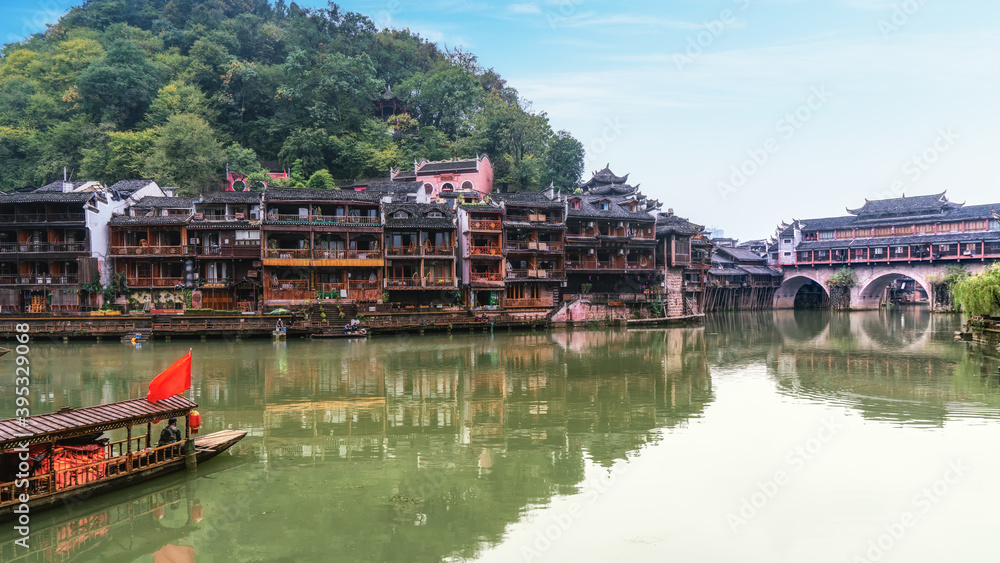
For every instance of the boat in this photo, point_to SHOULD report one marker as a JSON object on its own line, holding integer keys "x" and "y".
{"x": 68, "y": 461}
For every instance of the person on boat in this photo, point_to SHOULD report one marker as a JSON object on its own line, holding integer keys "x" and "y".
{"x": 170, "y": 433}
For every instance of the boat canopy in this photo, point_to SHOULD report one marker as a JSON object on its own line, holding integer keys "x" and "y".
{"x": 69, "y": 422}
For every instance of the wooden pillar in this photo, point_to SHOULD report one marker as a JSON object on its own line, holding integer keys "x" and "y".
{"x": 149, "y": 432}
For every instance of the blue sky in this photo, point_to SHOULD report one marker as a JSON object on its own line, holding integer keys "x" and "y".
{"x": 741, "y": 113}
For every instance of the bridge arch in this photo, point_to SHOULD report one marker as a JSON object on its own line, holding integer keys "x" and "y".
{"x": 870, "y": 292}
{"x": 785, "y": 297}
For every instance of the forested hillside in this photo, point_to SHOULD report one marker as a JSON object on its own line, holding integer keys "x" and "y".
{"x": 176, "y": 90}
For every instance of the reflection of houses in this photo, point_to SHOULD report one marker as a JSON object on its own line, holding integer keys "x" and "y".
{"x": 420, "y": 253}
{"x": 611, "y": 237}
{"x": 53, "y": 241}
{"x": 481, "y": 252}
{"x": 150, "y": 245}
{"x": 534, "y": 229}
{"x": 324, "y": 244}
{"x": 740, "y": 279}
{"x": 684, "y": 254}
{"x": 225, "y": 232}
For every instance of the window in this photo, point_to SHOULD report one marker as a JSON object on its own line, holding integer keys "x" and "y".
{"x": 605, "y": 206}
{"x": 787, "y": 241}
{"x": 787, "y": 253}
{"x": 878, "y": 251}
{"x": 826, "y": 235}
{"x": 428, "y": 189}
{"x": 467, "y": 186}
{"x": 574, "y": 203}
{"x": 447, "y": 187}
{"x": 247, "y": 235}
{"x": 400, "y": 215}
{"x": 435, "y": 215}
{"x": 944, "y": 247}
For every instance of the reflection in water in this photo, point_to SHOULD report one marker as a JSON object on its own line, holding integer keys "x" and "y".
{"x": 405, "y": 449}
{"x": 418, "y": 449}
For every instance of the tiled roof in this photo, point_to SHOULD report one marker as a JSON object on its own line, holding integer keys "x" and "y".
{"x": 234, "y": 224}
{"x": 47, "y": 197}
{"x": 528, "y": 199}
{"x": 670, "y": 223}
{"x": 248, "y": 198}
{"x": 761, "y": 271}
{"x": 310, "y": 195}
{"x": 418, "y": 218}
{"x": 160, "y": 202}
{"x": 741, "y": 255}
{"x": 57, "y": 186}
{"x": 605, "y": 176}
{"x": 129, "y": 186}
{"x": 726, "y": 272}
{"x": 393, "y": 186}
{"x": 447, "y": 166}
{"x": 590, "y": 208}
{"x": 921, "y": 204}
{"x": 155, "y": 220}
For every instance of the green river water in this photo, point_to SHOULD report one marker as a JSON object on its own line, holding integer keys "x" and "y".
{"x": 771, "y": 437}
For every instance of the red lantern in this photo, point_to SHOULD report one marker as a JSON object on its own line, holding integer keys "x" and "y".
{"x": 194, "y": 421}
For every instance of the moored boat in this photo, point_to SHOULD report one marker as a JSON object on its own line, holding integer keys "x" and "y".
{"x": 49, "y": 459}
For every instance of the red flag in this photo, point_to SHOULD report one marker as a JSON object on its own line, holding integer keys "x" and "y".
{"x": 174, "y": 380}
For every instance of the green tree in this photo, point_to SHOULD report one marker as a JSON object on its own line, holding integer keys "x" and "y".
{"x": 320, "y": 180}
{"x": 242, "y": 161}
{"x": 119, "y": 87}
{"x": 122, "y": 156}
{"x": 179, "y": 97}
{"x": 187, "y": 154}
{"x": 563, "y": 162}
{"x": 446, "y": 99}
{"x": 979, "y": 295}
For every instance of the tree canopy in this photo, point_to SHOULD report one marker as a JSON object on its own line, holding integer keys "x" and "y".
{"x": 117, "y": 89}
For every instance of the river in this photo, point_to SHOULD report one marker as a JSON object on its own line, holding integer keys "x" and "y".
{"x": 775, "y": 436}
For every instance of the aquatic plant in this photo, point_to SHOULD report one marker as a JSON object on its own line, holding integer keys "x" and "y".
{"x": 979, "y": 295}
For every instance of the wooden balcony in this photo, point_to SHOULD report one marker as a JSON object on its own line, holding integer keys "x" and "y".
{"x": 492, "y": 250}
{"x": 43, "y": 247}
{"x": 486, "y": 277}
{"x": 153, "y": 282}
{"x": 527, "y": 303}
{"x": 534, "y": 274}
{"x": 533, "y": 246}
{"x": 229, "y": 250}
{"x": 288, "y": 253}
{"x": 418, "y": 282}
{"x": 486, "y": 225}
{"x": 39, "y": 279}
{"x": 346, "y": 220}
{"x": 150, "y": 250}
{"x": 550, "y": 219}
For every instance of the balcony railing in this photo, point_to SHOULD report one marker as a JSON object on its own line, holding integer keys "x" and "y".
{"x": 181, "y": 250}
{"x": 323, "y": 219}
{"x": 492, "y": 250}
{"x": 486, "y": 276}
{"x": 596, "y": 265}
{"x": 39, "y": 279}
{"x": 534, "y": 273}
{"x": 515, "y": 303}
{"x": 417, "y": 281}
{"x": 320, "y": 254}
{"x": 66, "y": 217}
{"x": 230, "y": 251}
{"x": 153, "y": 282}
{"x": 412, "y": 250}
{"x": 37, "y": 247}
{"x": 486, "y": 225}
{"x": 533, "y": 218}
{"x": 288, "y": 254}
{"x": 531, "y": 245}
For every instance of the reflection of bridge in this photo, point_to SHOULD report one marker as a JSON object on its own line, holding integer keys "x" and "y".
{"x": 872, "y": 281}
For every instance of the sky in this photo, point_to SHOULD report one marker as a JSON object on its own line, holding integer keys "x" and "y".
{"x": 738, "y": 114}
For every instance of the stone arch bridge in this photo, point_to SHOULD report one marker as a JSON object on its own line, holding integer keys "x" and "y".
{"x": 872, "y": 280}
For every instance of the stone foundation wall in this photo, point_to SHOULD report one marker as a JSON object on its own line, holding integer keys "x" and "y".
{"x": 674, "y": 285}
